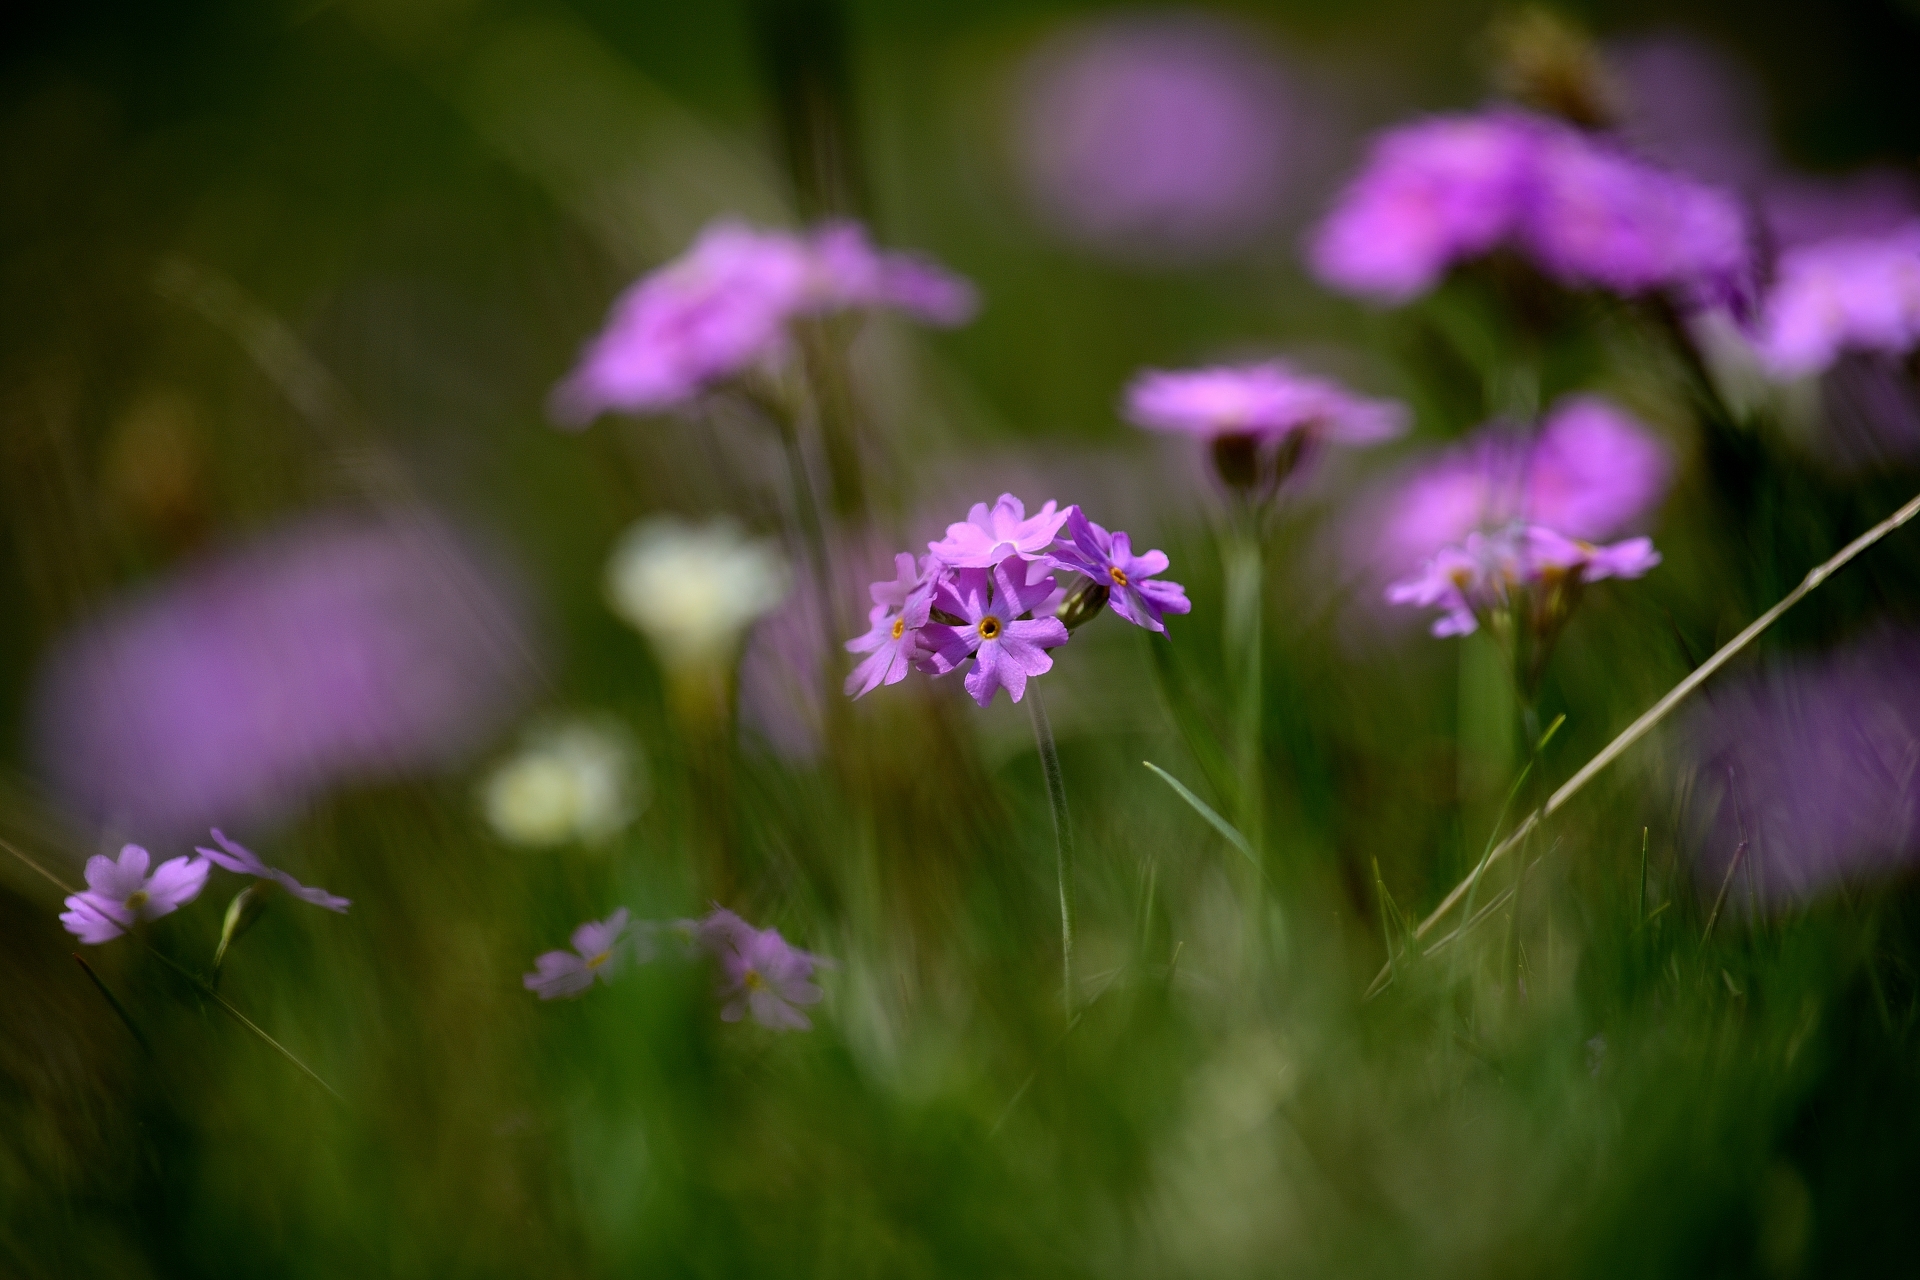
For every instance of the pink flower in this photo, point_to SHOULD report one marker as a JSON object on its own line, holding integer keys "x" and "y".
{"x": 236, "y": 857}
{"x": 1269, "y": 401}
{"x": 892, "y": 642}
{"x": 846, "y": 271}
{"x": 1108, "y": 561}
{"x": 597, "y": 952}
{"x": 1005, "y": 649}
{"x": 988, "y": 536}
{"x": 120, "y": 894}
{"x": 1521, "y": 565}
{"x": 1852, "y": 293}
{"x": 760, "y": 972}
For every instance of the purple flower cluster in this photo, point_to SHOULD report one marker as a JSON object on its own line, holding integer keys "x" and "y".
{"x": 723, "y": 309}
{"x": 1446, "y": 189}
{"x": 122, "y": 893}
{"x": 983, "y": 593}
{"x": 1260, "y": 419}
{"x": 760, "y": 973}
{"x": 1521, "y": 565}
{"x": 1849, "y": 293}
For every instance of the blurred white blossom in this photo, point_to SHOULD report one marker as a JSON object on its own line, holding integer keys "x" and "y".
{"x": 573, "y": 780}
{"x": 693, "y": 590}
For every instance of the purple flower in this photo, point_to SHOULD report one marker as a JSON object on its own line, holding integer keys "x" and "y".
{"x": 1590, "y": 472}
{"x": 1430, "y": 194}
{"x": 597, "y": 952}
{"x": 1005, "y": 649}
{"x": 988, "y": 536}
{"x": 1446, "y": 189}
{"x": 236, "y": 857}
{"x": 1107, "y": 559}
{"x": 723, "y": 309}
{"x": 340, "y": 648}
{"x": 1269, "y": 401}
{"x": 1522, "y": 564}
{"x": 120, "y": 894}
{"x": 892, "y": 642}
{"x": 760, "y": 972}
{"x": 1158, "y": 137}
{"x": 1846, "y": 294}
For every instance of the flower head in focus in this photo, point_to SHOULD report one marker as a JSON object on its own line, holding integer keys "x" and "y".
{"x": 1259, "y": 418}
{"x": 1006, "y": 648}
{"x": 1852, "y": 293}
{"x": 1127, "y": 580}
{"x": 236, "y": 857}
{"x": 901, "y": 606}
{"x": 693, "y": 590}
{"x": 990, "y": 534}
{"x": 579, "y": 780}
{"x": 760, "y": 972}
{"x": 722, "y": 310}
{"x": 120, "y": 893}
{"x": 599, "y": 951}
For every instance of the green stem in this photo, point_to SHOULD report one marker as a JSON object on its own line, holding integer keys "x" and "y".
{"x": 1244, "y": 574}
{"x": 1062, "y": 834}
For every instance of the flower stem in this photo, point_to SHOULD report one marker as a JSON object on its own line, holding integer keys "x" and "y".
{"x": 1062, "y": 834}
{"x": 1245, "y": 576}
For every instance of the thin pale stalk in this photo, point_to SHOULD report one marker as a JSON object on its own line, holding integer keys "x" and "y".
{"x": 1662, "y": 709}
{"x": 1062, "y": 834}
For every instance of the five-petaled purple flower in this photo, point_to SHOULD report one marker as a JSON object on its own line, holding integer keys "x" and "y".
{"x": 722, "y": 309}
{"x": 892, "y": 642}
{"x": 1107, "y": 559}
{"x": 120, "y": 894}
{"x": 1005, "y": 647}
{"x": 760, "y": 972}
{"x": 236, "y": 857}
{"x": 990, "y": 535}
{"x": 598, "y": 952}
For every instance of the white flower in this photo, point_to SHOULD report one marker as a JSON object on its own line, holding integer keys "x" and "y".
{"x": 693, "y": 590}
{"x": 575, "y": 780}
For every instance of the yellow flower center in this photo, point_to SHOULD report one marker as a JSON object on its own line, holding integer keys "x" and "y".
{"x": 594, "y": 962}
{"x": 1461, "y": 578}
{"x": 1118, "y": 575}
{"x": 138, "y": 899}
{"x": 753, "y": 980}
{"x": 899, "y": 627}
{"x": 989, "y": 628}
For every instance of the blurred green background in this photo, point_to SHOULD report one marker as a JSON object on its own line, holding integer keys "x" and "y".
{"x": 267, "y": 259}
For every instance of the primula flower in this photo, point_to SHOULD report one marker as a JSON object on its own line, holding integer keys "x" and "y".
{"x": 1005, "y": 648}
{"x": 120, "y": 894}
{"x": 1524, "y": 567}
{"x": 988, "y": 536}
{"x": 1854, "y": 293}
{"x": 1447, "y": 189}
{"x": 1108, "y": 562}
{"x": 693, "y": 590}
{"x": 900, "y": 609}
{"x": 722, "y": 309}
{"x": 236, "y": 857}
{"x": 760, "y": 972}
{"x": 574, "y": 780}
{"x": 597, "y": 952}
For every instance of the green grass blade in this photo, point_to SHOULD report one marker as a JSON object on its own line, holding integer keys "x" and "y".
{"x": 1202, "y": 808}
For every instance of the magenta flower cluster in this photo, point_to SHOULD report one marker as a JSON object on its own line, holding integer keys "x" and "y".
{"x": 1269, "y": 401}
{"x": 759, "y": 972}
{"x": 1494, "y": 572}
{"x": 122, "y": 892}
{"x": 987, "y": 594}
{"x": 1446, "y": 189}
{"x": 723, "y": 309}
{"x": 1850, "y": 293}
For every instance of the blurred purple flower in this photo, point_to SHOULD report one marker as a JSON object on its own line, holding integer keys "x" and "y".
{"x": 597, "y": 953}
{"x": 760, "y": 972}
{"x": 989, "y": 535}
{"x": 236, "y": 857}
{"x": 1158, "y": 137}
{"x": 1810, "y": 760}
{"x": 1107, "y": 559}
{"x": 1521, "y": 564}
{"x": 338, "y": 648}
{"x": 722, "y": 309}
{"x": 1690, "y": 105}
{"x": 1270, "y": 401}
{"x": 1590, "y": 472}
{"x": 1446, "y": 189}
{"x": 120, "y": 894}
{"x": 1848, "y": 294}
{"x": 1005, "y": 650}
{"x": 1873, "y": 202}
